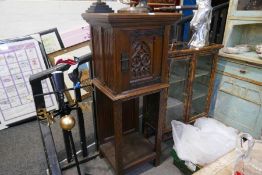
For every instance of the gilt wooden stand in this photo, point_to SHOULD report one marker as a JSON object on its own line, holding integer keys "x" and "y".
{"x": 130, "y": 60}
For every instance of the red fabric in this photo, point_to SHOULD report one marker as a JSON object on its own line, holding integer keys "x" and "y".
{"x": 67, "y": 61}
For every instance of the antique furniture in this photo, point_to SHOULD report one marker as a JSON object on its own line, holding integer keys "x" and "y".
{"x": 130, "y": 60}
{"x": 191, "y": 78}
{"x": 237, "y": 93}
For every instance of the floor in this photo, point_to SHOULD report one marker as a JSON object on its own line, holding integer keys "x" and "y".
{"x": 21, "y": 152}
{"x": 99, "y": 166}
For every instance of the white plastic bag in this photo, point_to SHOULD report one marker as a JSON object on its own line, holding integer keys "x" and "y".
{"x": 204, "y": 142}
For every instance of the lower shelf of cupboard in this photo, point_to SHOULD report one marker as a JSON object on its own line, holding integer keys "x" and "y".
{"x": 135, "y": 150}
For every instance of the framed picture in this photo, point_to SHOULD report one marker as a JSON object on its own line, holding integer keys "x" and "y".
{"x": 19, "y": 59}
{"x": 68, "y": 53}
{"x": 51, "y": 40}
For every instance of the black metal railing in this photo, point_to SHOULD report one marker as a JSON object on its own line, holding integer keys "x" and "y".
{"x": 54, "y": 167}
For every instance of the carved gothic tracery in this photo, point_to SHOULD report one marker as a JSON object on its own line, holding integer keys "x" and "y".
{"x": 140, "y": 60}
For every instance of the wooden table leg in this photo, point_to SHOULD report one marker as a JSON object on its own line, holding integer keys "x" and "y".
{"x": 117, "y": 114}
{"x": 160, "y": 119}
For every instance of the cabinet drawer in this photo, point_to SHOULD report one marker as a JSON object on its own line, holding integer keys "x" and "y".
{"x": 240, "y": 70}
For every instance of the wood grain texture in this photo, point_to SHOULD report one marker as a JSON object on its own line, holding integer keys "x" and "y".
{"x": 159, "y": 128}
{"x": 128, "y": 55}
{"x": 118, "y": 123}
{"x": 130, "y": 19}
{"x": 131, "y": 93}
{"x": 105, "y": 117}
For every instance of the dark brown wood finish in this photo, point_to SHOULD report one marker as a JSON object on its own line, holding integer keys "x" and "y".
{"x": 105, "y": 122}
{"x": 161, "y": 116}
{"x": 118, "y": 122}
{"x": 130, "y": 49}
{"x": 131, "y": 93}
{"x": 130, "y": 54}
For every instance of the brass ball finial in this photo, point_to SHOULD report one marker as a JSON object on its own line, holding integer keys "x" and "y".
{"x": 67, "y": 122}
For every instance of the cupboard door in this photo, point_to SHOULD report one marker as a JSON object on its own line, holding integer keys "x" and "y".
{"x": 177, "y": 92}
{"x": 140, "y": 56}
{"x": 200, "y": 87}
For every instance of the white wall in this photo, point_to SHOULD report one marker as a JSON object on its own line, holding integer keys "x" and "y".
{"x": 19, "y": 18}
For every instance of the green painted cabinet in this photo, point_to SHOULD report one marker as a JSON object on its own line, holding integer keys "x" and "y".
{"x": 237, "y": 96}
{"x": 238, "y": 104}
{"x": 245, "y": 9}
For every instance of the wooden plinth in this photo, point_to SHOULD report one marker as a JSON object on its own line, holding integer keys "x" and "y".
{"x": 117, "y": 123}
{"x": 130, "y": 60}
{"x": 135, "y": 150}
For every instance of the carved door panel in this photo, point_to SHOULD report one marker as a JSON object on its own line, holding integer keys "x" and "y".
{"x": 140, "y": 57}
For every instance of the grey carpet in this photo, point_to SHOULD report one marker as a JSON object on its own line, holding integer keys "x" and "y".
{"x": 21, "y": 148}
{"x": 21, "y": 152}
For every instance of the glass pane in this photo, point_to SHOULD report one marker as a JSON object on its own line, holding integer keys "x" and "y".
{"x": 177, "y": 90}
{"x": 249, "y": 5}
{"x": 201, "y": 84}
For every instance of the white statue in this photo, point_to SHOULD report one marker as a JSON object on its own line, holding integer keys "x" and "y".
{"x": 200, "y": 24}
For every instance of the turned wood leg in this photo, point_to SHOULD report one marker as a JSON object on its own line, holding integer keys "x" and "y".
{"x": 117, "y": 113}
{"x": 160, "y": 119}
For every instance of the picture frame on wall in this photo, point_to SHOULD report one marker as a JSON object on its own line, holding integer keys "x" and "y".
{"x": 51, "y": 40}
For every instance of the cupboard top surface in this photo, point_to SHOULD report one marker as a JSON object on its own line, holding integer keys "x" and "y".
{"x": 133, "y": 18}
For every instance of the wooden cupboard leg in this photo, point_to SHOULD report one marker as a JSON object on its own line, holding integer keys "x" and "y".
{"x": 117, "y": 115}
{"x": 101, "y": 156}
{"x": 136, "y": 111}
{"x": 160, "y": 119}
{"x": 144, "y": 110}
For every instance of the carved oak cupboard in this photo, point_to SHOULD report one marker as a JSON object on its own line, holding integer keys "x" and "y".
{"x": 130, "y": 61}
